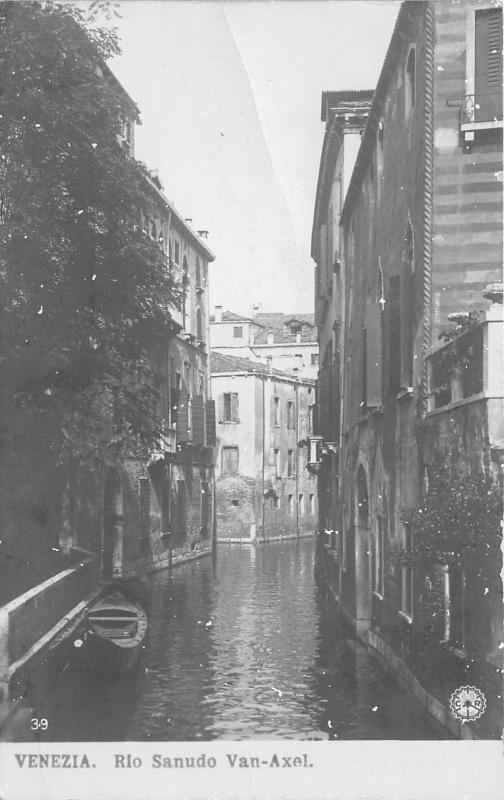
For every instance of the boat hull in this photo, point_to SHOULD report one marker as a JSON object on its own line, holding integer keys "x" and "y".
{"x": 116, "y": 629}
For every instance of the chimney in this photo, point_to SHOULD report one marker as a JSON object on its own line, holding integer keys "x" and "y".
{"x": 203, "y": 234}
{"x": 494, "y": 293}
{"x": 298, "y": 338}
{"x": 269, "y": 338}
{"x": 256, "y": 308}
{"x": 188, "y": 219}
{"x": 218, "y": 313}
{"x": 269, "y": 364}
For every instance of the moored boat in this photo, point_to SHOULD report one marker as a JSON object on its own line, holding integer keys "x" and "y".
{"x": 116, "y": 628}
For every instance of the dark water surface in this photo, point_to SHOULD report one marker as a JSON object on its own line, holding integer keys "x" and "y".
{"x": 240, "y": 647}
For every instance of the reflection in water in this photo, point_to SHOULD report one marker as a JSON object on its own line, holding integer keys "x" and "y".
{"x": 240, "y": 647}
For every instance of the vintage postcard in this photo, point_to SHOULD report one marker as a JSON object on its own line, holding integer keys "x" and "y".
{"x": 251, "y": 400}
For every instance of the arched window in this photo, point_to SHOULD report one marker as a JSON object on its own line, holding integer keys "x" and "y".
{"x": 410, "y": 82}
{"x": 407, "y": 308}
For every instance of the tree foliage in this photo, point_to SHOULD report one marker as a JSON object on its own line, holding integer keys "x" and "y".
{"x": 85, "y": 292}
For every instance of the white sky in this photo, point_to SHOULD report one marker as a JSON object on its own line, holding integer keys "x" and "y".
{"x": 229, "y": 95}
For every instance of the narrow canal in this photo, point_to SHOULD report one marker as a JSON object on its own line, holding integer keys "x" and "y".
{"x": 240, "y": 647}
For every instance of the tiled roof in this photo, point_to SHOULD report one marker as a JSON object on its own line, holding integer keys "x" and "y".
{"x": 224, "y": 363}
{"x": 230, "y": 316}
{"x": 277, "y": 320}
{"x": 279, "y": 325}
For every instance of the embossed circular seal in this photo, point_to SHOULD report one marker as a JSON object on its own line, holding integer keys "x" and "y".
{"x": 467, "y": 703}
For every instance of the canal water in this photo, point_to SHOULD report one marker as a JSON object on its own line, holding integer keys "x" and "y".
{"x": 242, "y": 646}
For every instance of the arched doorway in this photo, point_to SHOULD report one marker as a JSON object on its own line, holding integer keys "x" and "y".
{"x": 112, "y": 543}
{"x": 362, "y": 545}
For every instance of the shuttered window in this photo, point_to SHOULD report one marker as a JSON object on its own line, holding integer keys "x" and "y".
{"x": 210, "y": 423}
{"x": 183, "y": 417}
{"x": 230, "y": 460}
{"x": 488, "y": 65}
{"x": 198, "y": 419}
{"x": 394, "y": 333}
{"x": 407, "y": 311}
{"x": 276, "y": 410}
{"x": 374, "y": 355}
{"x": 230, "y": 407}
{"x": 290, "y": 414}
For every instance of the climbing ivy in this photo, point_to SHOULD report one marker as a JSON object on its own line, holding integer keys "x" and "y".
{"x": 458, "y": 523}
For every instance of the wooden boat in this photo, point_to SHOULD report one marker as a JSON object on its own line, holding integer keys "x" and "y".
{"x": 116, "y": 628}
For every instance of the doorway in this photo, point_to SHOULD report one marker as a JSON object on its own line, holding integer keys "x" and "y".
{"x": 112, "y": 546}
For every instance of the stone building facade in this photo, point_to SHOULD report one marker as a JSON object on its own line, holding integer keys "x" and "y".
{"x": 264, "y": 416}
{"x": 409, "y": 385}
{"x": 142, "y": 514}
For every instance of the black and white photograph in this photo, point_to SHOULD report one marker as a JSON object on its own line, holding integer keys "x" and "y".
{"x": 251, "y": 399}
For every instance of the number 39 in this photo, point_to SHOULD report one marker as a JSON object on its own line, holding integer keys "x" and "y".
{"x": 39, "y": 724}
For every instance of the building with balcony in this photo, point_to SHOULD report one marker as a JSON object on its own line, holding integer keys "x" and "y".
{"x": 410, "y": 387}
{"x": 264, "y": 490}
{"x": 287, "y": 341}
{"x": 142, "y": 514}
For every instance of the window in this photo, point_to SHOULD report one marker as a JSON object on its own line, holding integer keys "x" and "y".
{"x": 276, "y": 501}
{"x": 237, "y": 332}
{"x": 410, "y": 83}
{"x": 276, "y": 410}
{"x": 312, "y": 504}
{"x": 454, "y": 611}
{"x": 235, "y": 503}
{"x": 301, "y": 503}
{"x": 373, "y": 344}
{"x": 278, "y": 474}
{"x": 407, "y": 578}
{"x": 290, "y": 414}
{"x": 198, "y": 274}
{"x": 199, "y": 326}
{"x": 230, "y": 460}
{"x": 364, "y": 375}
{"x": 230, "y": 407}
{"x": 187, "y": 373}
{"x": 290, "y": 501}
{"x": 314, "y": 359}
{"x": 177, "y": 253}
{"x": 377, "y": 557}
{"x": 290, "y": 463}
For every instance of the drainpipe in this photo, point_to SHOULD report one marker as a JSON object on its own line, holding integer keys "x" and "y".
{"x": 428, "y": 196}
{"x": 296, "y": 387}
{"x": 263, "y": 451}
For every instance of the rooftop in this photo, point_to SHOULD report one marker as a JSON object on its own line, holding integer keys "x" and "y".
{"x": 230, "y": 316}
{"x": 232, "y": 364}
